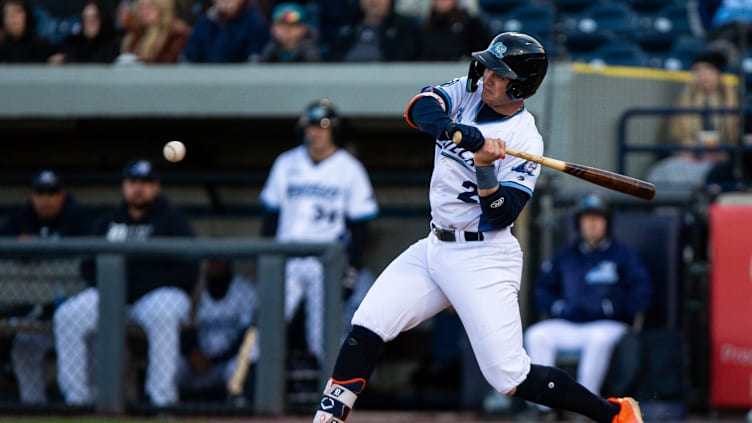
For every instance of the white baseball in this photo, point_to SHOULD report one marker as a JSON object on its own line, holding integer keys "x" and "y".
{"x": 174, "y": 151}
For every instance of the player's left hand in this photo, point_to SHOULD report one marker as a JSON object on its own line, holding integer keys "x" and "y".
{"x": 493, "y": 149}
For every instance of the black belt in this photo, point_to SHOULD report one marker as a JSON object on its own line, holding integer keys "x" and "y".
{"x": 449, "y": 235}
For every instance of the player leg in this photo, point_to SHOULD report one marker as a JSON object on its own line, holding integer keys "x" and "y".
{"x": 486, "y": 300}
{"x": 314, "y": 300}
{"x": 402, "y": 297}
{"x": 28, "y": 356}
{"x": 161, "y": 312}
{"x": 73, "y": 322}
{"x": 600, "y": 339}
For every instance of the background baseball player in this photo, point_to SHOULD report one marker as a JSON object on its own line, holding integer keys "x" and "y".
{"x": 317, "y": 192}
{"x": 591, "y": 291}
{"x": 470, "y": 259}
{"x": 157, "y": 292}
{"x": 226, "y": 308}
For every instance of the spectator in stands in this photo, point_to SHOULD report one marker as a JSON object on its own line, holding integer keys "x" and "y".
{"x": 450, "y": 33}
{"x": 293, "y": 40}
{"x": 157, "y": 34}
{"x": 19, "y": 42}
{"x": 98, "y": 42}
{"x": 332, "y": 16}
{"x": 58, "y": 19}
{"x": 379, "y": 35}
{"x": 51, "y": 213}
{"x": 231, "y": 31}
{"x": 225, "y": 310}
{"x": 157, "y": 291}
{"x": 590, "y": 291}
{"x": 706, "y": 91}
{"x": 317, "y": 192}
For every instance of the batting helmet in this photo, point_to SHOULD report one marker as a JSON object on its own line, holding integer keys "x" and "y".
{"x": 593, "y": 202}
{"x": 320, "y": 112}
{"x": 513, "y": 55}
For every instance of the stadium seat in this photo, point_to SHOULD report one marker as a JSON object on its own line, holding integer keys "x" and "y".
{"x": 648, "y": 6}
{"x": 573, "y": 7}
{"x": 597, "y": 25}
{"x": 673, "y": 18}
{"x": 681, "y": 54}
{"x": 499, "y": 6}
{"x": 536, "y": 20}
{"x": 620, "y": 53}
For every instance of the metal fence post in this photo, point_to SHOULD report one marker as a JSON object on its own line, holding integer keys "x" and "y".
{"x": 270, "y": 370}
{"x": 111, "y": 333}
{"x": 334, "y": 265}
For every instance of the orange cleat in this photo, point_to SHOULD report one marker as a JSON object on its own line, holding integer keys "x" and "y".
{"x": 629, "y": 412}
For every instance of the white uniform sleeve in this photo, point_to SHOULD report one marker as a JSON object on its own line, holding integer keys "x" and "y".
{"x": 519, "y": 173}
{"x": 453, "y": 91}
{"x": 273, "y": 192}
{"x": 361, "y": 202}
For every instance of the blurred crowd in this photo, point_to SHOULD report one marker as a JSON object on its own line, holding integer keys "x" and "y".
{"x": 236, "y": 31}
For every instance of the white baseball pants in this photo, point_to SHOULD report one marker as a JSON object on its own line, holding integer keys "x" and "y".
{"x": 160, "y": 313}
{"x": 594, "y": 340}
{"x": 480, "y": 279}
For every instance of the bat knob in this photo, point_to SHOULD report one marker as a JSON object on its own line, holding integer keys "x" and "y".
{"x": 457, "y": 137}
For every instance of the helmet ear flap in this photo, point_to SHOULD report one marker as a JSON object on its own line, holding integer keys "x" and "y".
{"x": 473, "y": 75}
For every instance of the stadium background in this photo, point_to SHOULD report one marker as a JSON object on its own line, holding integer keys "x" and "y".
{"x": 86, "y": 121}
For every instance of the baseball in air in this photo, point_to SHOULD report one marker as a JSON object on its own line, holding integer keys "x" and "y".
{"x": 174, "y": 151}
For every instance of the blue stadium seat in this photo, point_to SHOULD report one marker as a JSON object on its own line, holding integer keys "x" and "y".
{"x": 683, "y": 51}
{"x": 648, "y": 6}
{"x": 620, "y": 53}
{"x": 597, "y": 25}
{"x": 573, "y": 7}
{"x": 499, "y": 6}
{"x": 536, "y": 20}
{"x": 673, "y": 18}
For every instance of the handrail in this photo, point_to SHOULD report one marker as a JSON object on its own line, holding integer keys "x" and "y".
{"x": 628, "y": 114}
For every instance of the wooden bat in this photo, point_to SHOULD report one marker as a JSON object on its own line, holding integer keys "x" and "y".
{"x": 237, "y": 380}
{"x": 613, "y": 181}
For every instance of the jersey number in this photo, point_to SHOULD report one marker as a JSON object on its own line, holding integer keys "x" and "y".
{"x": 322, "y": 214}
{"x": 472, "y": 191}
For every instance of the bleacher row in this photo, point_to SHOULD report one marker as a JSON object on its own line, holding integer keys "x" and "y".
{"x": 650, "y": 33}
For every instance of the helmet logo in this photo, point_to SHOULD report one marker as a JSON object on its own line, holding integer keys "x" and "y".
{"x": 498, "y": 49}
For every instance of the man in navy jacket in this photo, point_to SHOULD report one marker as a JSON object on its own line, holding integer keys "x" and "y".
{"x": 157, "y": 293}
{"x": 591, "y": 292}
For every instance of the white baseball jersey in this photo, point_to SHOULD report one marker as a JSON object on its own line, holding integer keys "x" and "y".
{"x": 314, "y": 199}
{"x": 454, "y": 193}
{"x": 220, "y": 321}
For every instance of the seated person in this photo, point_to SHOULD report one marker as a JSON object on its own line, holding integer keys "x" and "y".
{"x": 226, "y": 308}
{"x": 706, "y": 91}
{"x": 293, "y": 39}
{"x": 591, "y": 291}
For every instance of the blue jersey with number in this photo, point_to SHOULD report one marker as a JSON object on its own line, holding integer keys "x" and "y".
{"x": 454, "y": 192}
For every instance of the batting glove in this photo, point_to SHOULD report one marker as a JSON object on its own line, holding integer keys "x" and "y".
{"x": 472, "y": 138}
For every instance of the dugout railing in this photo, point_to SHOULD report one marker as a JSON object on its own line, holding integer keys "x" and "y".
{"x": 270, "y": 256}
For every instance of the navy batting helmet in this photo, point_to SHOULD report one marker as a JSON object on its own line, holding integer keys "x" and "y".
{"x": 513, "y": 55}
{"x": 593, "y": 202}
{"x": 320, "y": 112}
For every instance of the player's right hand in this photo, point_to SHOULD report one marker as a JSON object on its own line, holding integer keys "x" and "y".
{"x": 493, "y": 149}
{"x": 472, "y": 138}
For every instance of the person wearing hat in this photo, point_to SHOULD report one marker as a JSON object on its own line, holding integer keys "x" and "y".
{"x": 293, "y": 39}
{"x": 50, "y": 213}
{"x": 157, "y": 291}
{"x": 231, "y": 31}
{"x": 589, "y": 292}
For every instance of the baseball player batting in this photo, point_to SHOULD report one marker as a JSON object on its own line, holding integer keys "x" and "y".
{"x": 470, "y": 260}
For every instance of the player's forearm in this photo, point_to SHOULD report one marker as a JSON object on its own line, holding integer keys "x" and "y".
{"x": 502, "y": 206}
{"x": 428, "y": 115}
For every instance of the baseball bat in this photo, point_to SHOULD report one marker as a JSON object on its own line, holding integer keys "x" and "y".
{"x": 237, "y": 380}
{"x": 613, "y": 181}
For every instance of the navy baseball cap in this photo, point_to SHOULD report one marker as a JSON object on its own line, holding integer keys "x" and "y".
{"x": 46, "y": 181}
{"x": 140, "y": 169}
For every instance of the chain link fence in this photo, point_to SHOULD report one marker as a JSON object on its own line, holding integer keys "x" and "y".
{"x": 71, "y": 345}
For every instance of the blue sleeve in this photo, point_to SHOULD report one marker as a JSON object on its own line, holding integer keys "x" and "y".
{"x": 501, "y": 208}
{"x": 430, "y": 117}
{"x": 547, "y": 289}
{"x": 639, "y": 287}
{"x": 192, "y": 50}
